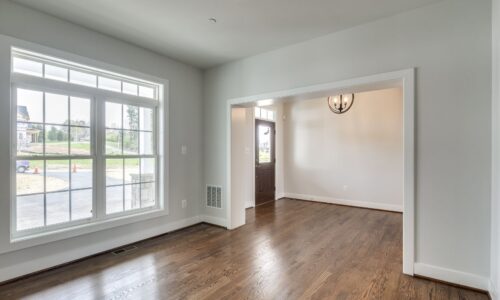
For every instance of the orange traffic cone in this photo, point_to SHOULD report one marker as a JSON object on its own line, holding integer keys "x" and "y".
{"x": 36, "y": 170}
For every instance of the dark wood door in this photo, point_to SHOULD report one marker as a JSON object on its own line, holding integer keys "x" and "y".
{"x": 265, "y": 161}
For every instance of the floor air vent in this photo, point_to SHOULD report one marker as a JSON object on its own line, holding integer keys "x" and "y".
{"x": 124, "y": 250}
{"x": 214, "y": 196}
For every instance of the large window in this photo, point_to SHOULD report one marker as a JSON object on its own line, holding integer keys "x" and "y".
{"x": 86, "y": 144}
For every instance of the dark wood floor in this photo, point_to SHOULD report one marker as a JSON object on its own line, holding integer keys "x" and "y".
{"x": 288, "y": 250}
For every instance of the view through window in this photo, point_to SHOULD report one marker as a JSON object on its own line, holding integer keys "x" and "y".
{"x": 64, "y": 131}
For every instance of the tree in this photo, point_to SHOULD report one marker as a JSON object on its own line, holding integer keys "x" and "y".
{"x": 133, "y": 117}
{"x": 52, "y": 134}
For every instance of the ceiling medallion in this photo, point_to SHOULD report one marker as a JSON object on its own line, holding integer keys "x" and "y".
{"x": 340, "y": 104}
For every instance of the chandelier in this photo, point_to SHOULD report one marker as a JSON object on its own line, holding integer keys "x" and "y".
{"x": 340, "y": 104}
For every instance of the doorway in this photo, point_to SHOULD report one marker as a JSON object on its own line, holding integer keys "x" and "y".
{"x": 405, "y": 79}
{"x": 265, "y": 161}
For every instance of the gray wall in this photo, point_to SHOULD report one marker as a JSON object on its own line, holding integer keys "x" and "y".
{"x": 495, "y": 209}
{"x": 185, "y": 129}
{"x": 450, "y": 45}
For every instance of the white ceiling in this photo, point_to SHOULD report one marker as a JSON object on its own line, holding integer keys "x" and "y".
{"x": 180, "y": 28}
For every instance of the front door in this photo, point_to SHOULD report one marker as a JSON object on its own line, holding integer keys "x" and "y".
{"x": 264, "y": 161}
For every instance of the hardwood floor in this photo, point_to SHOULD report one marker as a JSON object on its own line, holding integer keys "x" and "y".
{"x": 289, "y": 249}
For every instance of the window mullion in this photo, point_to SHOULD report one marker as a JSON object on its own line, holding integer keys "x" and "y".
{"x": 100, "y": 169}
{"x": 70, "y": 207}
{"x": 44, "y": 163}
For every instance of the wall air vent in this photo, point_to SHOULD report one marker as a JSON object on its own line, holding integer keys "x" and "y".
{"x": 124, "y": 250}
{"x": 214, "y": 196}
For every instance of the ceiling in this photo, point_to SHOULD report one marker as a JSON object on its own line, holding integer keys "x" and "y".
{"x": 181, "y": 30}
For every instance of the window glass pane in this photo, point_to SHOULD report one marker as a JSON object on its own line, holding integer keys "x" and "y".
{"x": 114, "y": 171}
{"x": 81, "y": 173}
{"x": 147, "y": 169}
{"x": 257, "y": 112}
{"x": 56, "y": 109}
{"x": 129, "y": 88}
{"x": 56, "y": 140}
{"x": 263, "y": 113}
{"x": 80, "y": 140}
{"x": 30, "y": 212}
{"x": 146, "y": 143}
{"x": 270, "y": 115}
{"x": 113, "y": 115}
{"x": 130, "y": 117}
{"x": 82, "y": 78}
{"x": 130, "y": 142}
{"x": 80, "y": 111}
{"x": 114, "y": 199}
{"x": 146, "y": 119}
{"x": 26, "y": 66}
{"x": 147, "y": 194}
{"x": 29, "y": 106}
{"x": 264, "y": 139}
{"x": 57, "y": 175}
{"x": 113, "y": 142}
{"x": 29, "y": 139}
{"x": 29, "y": 176}
{"x": 110, "y": 84}
{"x": 81, "y": 204}
{"x": 132, "y": 196}
{"x": 132, "y": 170}
{"x": 145, "y": 91}
{"x": 56, "y": 73}
{"x": 57, "y": 208}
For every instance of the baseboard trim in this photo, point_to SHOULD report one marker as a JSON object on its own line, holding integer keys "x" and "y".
{"x": 364, "y": 204}
{"x": 464, "y": 279}
{"x": 214, "y": 221}
{"x": 29, "y": 268}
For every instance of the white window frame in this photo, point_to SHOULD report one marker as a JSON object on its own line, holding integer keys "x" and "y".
{"x": 100, "y": 220}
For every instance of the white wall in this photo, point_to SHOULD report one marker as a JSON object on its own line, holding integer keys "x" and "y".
{"x": 185, "y": 129}
{"x": 280, "y": 150}
{"x": 450, "y": 45}
{"x": 495, "y": 204}
{"x": 242, "y": 155}
{"x": 355, "y": 158}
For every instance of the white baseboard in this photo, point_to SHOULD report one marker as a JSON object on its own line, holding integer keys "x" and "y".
{"x": 46, "y": 262}
{"x": 214, "y": 221}
{"x": 452, "y": 276}
{"x": 364, "y": 204}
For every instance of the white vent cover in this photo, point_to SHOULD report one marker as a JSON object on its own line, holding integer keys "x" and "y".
{"x": 214, "y": 196}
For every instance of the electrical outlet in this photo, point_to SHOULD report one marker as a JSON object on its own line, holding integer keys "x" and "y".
{"x": 184, "y": 150}
{"x": 184, "y": 203}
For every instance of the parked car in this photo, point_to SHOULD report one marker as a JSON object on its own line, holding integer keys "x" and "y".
{"x": 22, "y": 166}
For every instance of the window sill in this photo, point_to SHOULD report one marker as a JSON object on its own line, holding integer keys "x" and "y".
{"x": 18, "y": 243}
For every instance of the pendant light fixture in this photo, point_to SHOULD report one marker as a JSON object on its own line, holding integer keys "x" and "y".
{"x": 340, "y": 104}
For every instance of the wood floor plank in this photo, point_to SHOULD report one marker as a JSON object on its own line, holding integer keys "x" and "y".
{"x": 288, "y": 249}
